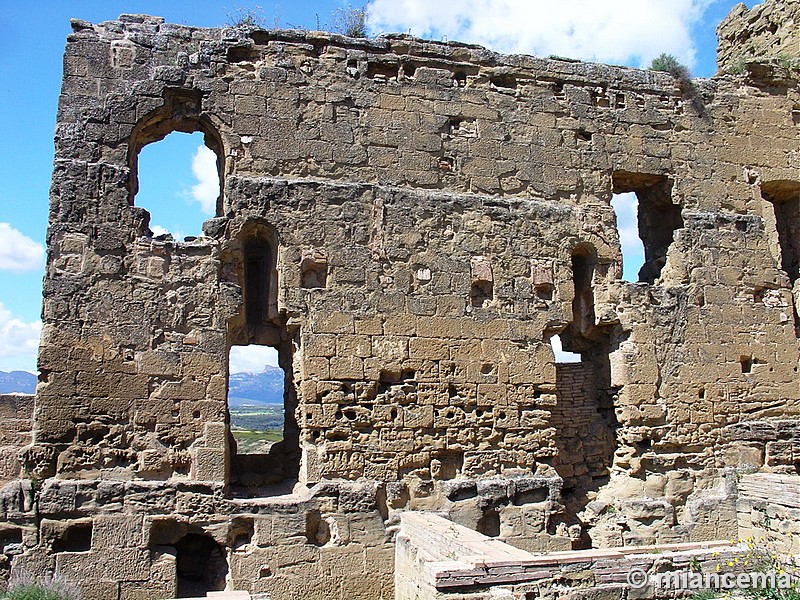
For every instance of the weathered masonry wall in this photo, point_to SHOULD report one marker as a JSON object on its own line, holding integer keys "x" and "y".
{"x": 16, "y": 422}
{"x": 408, "y": 223}
{"x": 769, "y": 508}
{"x": 770, "y": 29}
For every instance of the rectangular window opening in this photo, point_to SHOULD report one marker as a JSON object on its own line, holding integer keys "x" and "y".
{"x": 643, "y": 205}
{"x": 563, "y": 356}
{"x": 256, "y": 401}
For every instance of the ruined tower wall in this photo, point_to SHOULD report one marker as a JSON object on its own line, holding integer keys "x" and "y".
{"x": 432, "y": 214}
{"x": 16, "y": 423}
{"x": 402, "y": 183}
{"x": 770, "y": 29}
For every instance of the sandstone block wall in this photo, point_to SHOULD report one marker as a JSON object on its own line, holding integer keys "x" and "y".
{"x": 768, "y": 511}
{"x": 770, "y": 29}
{"x": 16, "y": 423}
{"x": 408, "y": 223}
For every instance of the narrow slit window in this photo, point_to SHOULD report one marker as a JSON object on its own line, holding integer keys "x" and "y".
{"x": 257, "y": 270}
{"x": 626, "y": 208}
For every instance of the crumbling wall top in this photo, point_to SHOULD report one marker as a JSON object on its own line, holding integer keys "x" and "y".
{"x": 768, "y": 30}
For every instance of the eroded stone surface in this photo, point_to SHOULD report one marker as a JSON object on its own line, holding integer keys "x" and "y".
{"x": 408, "y": 223}
{"x": 769, "y": 29}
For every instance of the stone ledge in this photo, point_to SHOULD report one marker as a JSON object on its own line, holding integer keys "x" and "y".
{"x": 453, "y": 556}
{"x": 774, "y": 488}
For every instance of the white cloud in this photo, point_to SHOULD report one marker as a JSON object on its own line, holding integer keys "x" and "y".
{"x": 252, "y": 359}
{"x": 158, "y": 230}
{"x": 206, "y": 190}
{"x": 626, "y": 207}
{"x": 612, "y": 31}
{"x": 19, "y": 342}
{"x": 177, "y": 235}
{"x": 18, "y": 252}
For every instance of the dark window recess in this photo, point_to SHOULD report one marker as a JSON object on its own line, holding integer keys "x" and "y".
{"x": 785, "y": 199}
{"x": 243, "y": 54}
{"x": 594, "y": 343}
{"x": 658, "y": 217}
{"x": 200, "y": 566}
{"x": 489, "y": 523}
{"x": 481, "y": 293}
{"x": 504, "y": 80}
{"x": 75, "y": 538}
{"x": 257, "y": 263}
{"x": 384, "y": 71}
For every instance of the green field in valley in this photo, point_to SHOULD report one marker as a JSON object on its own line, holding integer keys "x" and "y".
{"x": 256, "y": 427}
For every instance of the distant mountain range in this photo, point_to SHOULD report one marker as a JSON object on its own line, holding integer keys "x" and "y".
{"x": 19, "y": 382}
{"x": 245, "y": 388}
{"x": 256, "y": 388}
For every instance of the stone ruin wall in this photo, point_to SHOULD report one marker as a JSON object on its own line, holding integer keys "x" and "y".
{"x": 769, "y": 29}
{"x": 408, "y": 222}
{"x": 16, "y": 422}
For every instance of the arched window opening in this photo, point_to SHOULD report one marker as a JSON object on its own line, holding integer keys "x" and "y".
{"x": 176, "y": 162}
{"x": 264, "y": 437}
{"x": 657, "y": 218}
{"x": 201, "y": 566}
{"x": 178, "y": 184}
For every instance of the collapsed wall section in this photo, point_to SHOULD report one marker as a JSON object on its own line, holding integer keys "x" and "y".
{"x": 769, "y": 30}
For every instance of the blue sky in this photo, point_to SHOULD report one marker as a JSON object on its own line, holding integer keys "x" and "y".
{"x": 627, "y": 32}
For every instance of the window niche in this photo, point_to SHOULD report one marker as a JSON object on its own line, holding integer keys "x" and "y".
{"x": 784, "y": 196}
{"x": 783, "y": 227}
{"x": 657, "y": 217}
{"x": 582, "y": 336}
{"x": 258, "y": 325}
{"x": 163, "y": 128}
{"x": 200, "y": 565}
{"x": 584, "y": 387}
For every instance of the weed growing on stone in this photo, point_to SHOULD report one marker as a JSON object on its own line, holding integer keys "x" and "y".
{"x": 247, "y": 17}
{"x": 670, "y": 64}
{"x": 351, "y": 21}
{"x": 26, "y": 587}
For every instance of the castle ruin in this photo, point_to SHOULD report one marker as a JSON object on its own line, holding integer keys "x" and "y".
{"x": 409, "y": 223}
